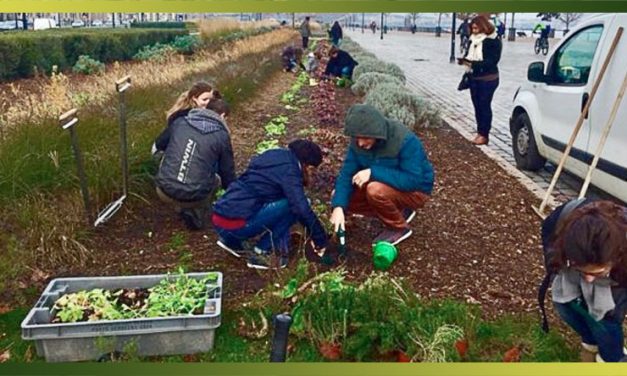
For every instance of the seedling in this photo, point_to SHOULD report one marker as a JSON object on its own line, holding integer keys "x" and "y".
{"x": 266, "y": 145}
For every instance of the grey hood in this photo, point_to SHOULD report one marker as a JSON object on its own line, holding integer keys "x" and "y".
{"x": 205, "y": 121}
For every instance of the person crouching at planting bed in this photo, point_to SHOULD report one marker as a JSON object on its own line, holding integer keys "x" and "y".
{"x": 341, "y": 64}
{"x": 198, "y": 96}
{"x": 585, "y": 254}
{"x": 198, "y": 158}
{"x": 267, "y": 199}
{"x": 291, "y": 58}
{"x": 386, "y": 173}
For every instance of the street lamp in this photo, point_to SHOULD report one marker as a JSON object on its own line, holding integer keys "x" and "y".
{"x": 452, "y": 58}
{"x": 362, "y": 22}
{"x": 381, "y": 26}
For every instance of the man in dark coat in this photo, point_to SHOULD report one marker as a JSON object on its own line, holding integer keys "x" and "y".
{"x": 267, "y": 199}
{"x": 341, "y": 64}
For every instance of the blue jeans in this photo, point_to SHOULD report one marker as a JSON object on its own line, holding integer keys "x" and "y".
{"x": 273, "y": 220}
{"x": 607, "y": 333}
{"x": 481, "y": 93}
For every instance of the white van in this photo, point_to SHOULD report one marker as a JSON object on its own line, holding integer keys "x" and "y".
{"x": 44, "y": 23}
{"x": 547, "y": 106}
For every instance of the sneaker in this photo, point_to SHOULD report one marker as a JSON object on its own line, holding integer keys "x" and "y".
{"x": 265, "y": 262}
{"x": 393, "y": 236}
{"x": 234, "y": 249}
{"x": 193, "y": 219}
{"x": 409, "y": 215}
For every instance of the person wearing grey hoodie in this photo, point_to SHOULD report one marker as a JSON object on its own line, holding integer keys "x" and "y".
{"x": 198, "y": 151}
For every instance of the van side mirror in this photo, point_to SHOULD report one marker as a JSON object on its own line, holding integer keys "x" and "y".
{"x": 535, "y": 72}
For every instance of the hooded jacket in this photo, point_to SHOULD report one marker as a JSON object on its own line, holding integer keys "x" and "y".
{"x": 342, "y": 60}
{"x": 199, "y": 147}
{"x": 274, "y": 175}
{"x": 397, "y": 158}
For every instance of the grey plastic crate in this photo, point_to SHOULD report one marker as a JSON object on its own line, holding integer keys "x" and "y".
{"x": 65, "y": 342}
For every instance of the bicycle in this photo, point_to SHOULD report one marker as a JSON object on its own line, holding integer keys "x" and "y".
{"x": 542, "y": 44}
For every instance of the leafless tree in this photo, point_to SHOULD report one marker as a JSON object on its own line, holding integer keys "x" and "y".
{"x": 568, "y": 18}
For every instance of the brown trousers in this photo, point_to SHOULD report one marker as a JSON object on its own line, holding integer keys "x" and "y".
{"x": 386, "y": 203}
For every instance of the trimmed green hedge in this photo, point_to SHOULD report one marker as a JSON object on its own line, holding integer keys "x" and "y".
{"x": 25, "y": 53}
{"x": 158, "y": 25}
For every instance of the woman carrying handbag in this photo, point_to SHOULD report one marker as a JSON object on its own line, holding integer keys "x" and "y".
{"x": 482, "y": 74}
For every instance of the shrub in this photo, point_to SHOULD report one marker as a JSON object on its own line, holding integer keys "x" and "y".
{"x": 369, "y": 80}
{"x": 158, "y": 52}
{"x": 186, "y": 44}
{"x": 397, "y": 103}
{"x": 87, "y": 65}
{"x": 378, "y": 66}
{"x": 25, "y": 53}
{"x": 158, "y": 25}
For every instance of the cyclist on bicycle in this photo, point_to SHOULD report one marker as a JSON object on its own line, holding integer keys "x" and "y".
{"x": 464, "y": 34}
{"x": 545, "y": 28}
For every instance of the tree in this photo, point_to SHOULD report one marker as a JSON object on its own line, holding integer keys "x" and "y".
{"x": 568, "y": 18}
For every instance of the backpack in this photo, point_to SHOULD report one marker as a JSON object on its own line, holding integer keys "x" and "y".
{"x": 548, "y": 277}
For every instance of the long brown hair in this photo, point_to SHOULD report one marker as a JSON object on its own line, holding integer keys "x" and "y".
{"x": 185, "y": 101}
{"x": 484, "y": 25}
{"x": 594, "y": 234}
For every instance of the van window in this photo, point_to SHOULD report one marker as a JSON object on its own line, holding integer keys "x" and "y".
{"x": 573, "y": 60}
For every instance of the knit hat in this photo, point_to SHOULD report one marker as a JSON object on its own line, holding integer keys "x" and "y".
{"x": 307, "y": 152}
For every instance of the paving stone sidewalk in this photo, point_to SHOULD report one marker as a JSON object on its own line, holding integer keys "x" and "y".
{"x": 425, "y": 61}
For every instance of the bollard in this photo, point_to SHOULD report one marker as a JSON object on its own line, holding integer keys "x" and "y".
{"x": 281, "y": 323}
{"x": 67, "y": 121}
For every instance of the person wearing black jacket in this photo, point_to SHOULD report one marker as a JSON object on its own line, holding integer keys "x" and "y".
{"x": 481, "y": 61}
{"x": 336, "y": 33}
{"x": 198, "y": 147}
{"x": 341, "y": 63}
{"x": 267, "y": 199}
{"x": 198, "y": 96}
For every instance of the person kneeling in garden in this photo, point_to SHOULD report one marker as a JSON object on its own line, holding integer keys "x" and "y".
{"x": 341, "y": 64}
{"x": 197, "y": 150}
{"x": 267, "y": 199}
{"x": 386, "y": 173}
{"x": 585, "y": 250}
{"x": 291, "y": 58}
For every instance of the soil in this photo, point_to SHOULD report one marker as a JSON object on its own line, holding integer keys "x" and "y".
{"x": 477, "y": 239}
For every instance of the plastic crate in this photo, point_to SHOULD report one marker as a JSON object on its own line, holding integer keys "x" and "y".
{"x": 64, "y": 342}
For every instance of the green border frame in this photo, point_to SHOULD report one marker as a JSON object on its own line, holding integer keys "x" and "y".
{"x": 312, "y": 6}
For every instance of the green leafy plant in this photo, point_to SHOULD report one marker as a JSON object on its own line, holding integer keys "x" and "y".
{"x": 157, "y": 52}
{"x": 187, "y": 44}
{"x": 277, "y": 126}
{"x": 266, "y": 145}
{"x": 86, "y": 65}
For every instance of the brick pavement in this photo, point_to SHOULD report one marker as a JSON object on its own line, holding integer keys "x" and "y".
{"x": 425, "y": 61}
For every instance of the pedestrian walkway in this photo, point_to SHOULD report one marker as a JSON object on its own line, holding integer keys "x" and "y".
{"x": 425, "y": 60}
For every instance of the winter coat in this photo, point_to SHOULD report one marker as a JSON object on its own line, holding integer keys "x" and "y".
{"x": 336, "y": 32}
{"x": 274, "y": 175}
{"x": 342, "y": 60}
{"x": 305, "y": 30}
{"x": 490, "y": 55}
{"x": 199, "y": 146}
{"x": 397, "y": 158}
{"x": 164, "y": 138}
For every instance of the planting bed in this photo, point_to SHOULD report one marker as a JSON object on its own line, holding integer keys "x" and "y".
{"x": 477, "y": 239}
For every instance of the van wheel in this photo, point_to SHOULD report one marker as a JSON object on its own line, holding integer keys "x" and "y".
{"x": 524, "y": 145}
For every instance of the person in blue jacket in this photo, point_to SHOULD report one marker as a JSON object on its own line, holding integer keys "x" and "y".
{"x": 386, "y": 173}
{"x": 341, "y": 64}
{"x": 267, "y": 199}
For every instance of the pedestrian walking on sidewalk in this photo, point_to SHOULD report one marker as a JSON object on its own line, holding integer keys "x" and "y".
{"x": 481, "y": 62}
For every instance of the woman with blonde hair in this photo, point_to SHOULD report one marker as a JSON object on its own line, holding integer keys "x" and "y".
{"x": 198, "y": 96}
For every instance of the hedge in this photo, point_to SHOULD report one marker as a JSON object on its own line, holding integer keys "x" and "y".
{"x": 160, "y": 25}
{"x": 25, "y": 53}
